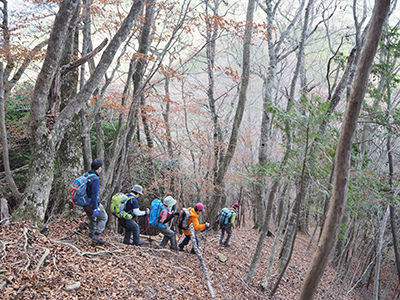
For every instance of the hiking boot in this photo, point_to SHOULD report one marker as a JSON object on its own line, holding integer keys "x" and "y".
{"x": 175, "y": 248}
{"x": 139, "y": 243}
{"x": 98, "y": 239}
{"x": 192, "y": 252}
{"x": 181, "y": 249}
{"x": 128, "y": 243}
{"x": 227, "y": 244}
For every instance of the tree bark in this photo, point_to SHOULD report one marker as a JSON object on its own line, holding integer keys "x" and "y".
{"x": 69, "y": 155}
{"x": 342, "y": 160}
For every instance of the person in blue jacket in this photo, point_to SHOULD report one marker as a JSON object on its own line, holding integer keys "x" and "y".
{"x": 95, "y": 211}
{"x": 132, "y": 207}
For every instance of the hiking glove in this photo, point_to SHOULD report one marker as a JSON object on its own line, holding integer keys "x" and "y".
{"x": 95, "y": 212}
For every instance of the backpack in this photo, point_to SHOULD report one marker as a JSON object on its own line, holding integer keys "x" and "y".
{"x": 78, "y": 190}
{"x": 183, "y": 219}
{"x": 155, "y": 210}
{"x": 225, "y": 216}
{"x": 118, "y": 204}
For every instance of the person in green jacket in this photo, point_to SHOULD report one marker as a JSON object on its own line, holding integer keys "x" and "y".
{"x": 226, "y": 218}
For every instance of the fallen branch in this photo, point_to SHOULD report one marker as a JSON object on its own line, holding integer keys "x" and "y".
{"x": 81, "y": 253}
{"x": 46, "y": 252}
{"x": 202, "y": 262}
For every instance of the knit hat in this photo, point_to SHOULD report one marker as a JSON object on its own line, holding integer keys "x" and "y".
{"x": 137, "y": 189}
{"x": 169, "y": 201}
{"x": 200, "y": 206}
{"x": 235, "y": 205}
{"x": 97, "y": 163}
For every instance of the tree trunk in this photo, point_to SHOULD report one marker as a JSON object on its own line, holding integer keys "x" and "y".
{"x": 342, "y": 160}
{"x": 166, "y": 112}
{"x": 223, "y": 167}
{"x": 40, "y": 174}
{"x": 248, "y": 276}
{"x": 69, "y": 155}
{"x": 395, "y": 238}
{"x": 377, "y": 283}
{"x": 3, "y": 136}
{"x": 282, "y": 223}
{"x": 86, "y": 48}
{"x": 45, "y": 143}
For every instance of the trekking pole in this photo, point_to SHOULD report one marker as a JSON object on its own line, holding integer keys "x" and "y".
{"x": 148, "y": 228}
{"x": 205, "y": 242}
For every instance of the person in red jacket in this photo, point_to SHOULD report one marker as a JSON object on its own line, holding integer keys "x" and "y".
{"x": 193, "y": 219}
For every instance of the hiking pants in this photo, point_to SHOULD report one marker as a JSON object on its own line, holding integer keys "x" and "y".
{"x": 168, "y": 235}
{"x": 130, "y": 227}
{"x": 96, "y": 224}
{"x": 228, "y": 230}
{"x": 186, "y": 241}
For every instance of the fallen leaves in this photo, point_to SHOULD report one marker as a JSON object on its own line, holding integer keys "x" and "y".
{"x": 65, "y": 264}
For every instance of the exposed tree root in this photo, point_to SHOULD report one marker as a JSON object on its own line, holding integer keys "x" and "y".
{"x": 26, "y": 248}
{"x": 46, "y": 252}
{"x": 82, "y": 253}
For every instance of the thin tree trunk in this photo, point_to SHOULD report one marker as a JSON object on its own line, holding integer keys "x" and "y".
{"x": 377, "y": 283}
{"x": 245, "y": 78}
{"x": 299, "y": 197}
{"x": 248, "y": 276}
{"x": 278, "y": 234}
{"x": 86, "y": 43}
{"x": 342, "y": 160}
{"x": 3, "y": 135}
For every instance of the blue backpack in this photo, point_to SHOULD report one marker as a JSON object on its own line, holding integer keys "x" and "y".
{"x": 78, "y": 190}
{"x": 155, "y": 210}
{"x": 225, "y": 216}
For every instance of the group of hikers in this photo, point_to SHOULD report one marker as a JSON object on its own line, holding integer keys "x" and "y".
{"x": 98, "y": 217}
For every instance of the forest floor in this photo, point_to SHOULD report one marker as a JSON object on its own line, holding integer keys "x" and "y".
{"x": 44, "y": 266}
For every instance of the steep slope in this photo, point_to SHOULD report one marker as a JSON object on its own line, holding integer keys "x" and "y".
{"x": 43, "y": 266}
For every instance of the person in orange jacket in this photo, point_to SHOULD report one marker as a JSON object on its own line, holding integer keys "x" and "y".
{"x": 193, "y": 219}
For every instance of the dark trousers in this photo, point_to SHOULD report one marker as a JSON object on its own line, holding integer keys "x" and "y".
{"x": 186, "y": 241}
{"x": 130, "y": 227}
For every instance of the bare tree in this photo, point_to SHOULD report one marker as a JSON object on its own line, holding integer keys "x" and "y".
{"x": 245, "y": 78}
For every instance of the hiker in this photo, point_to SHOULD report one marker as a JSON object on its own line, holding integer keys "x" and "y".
{"x": 96, "y": 213}
{"x": 166, "y": 215}
{"x": 226, "y": 220}
{"x": 132, "y": 207}
{"x": 193, "y": 219}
